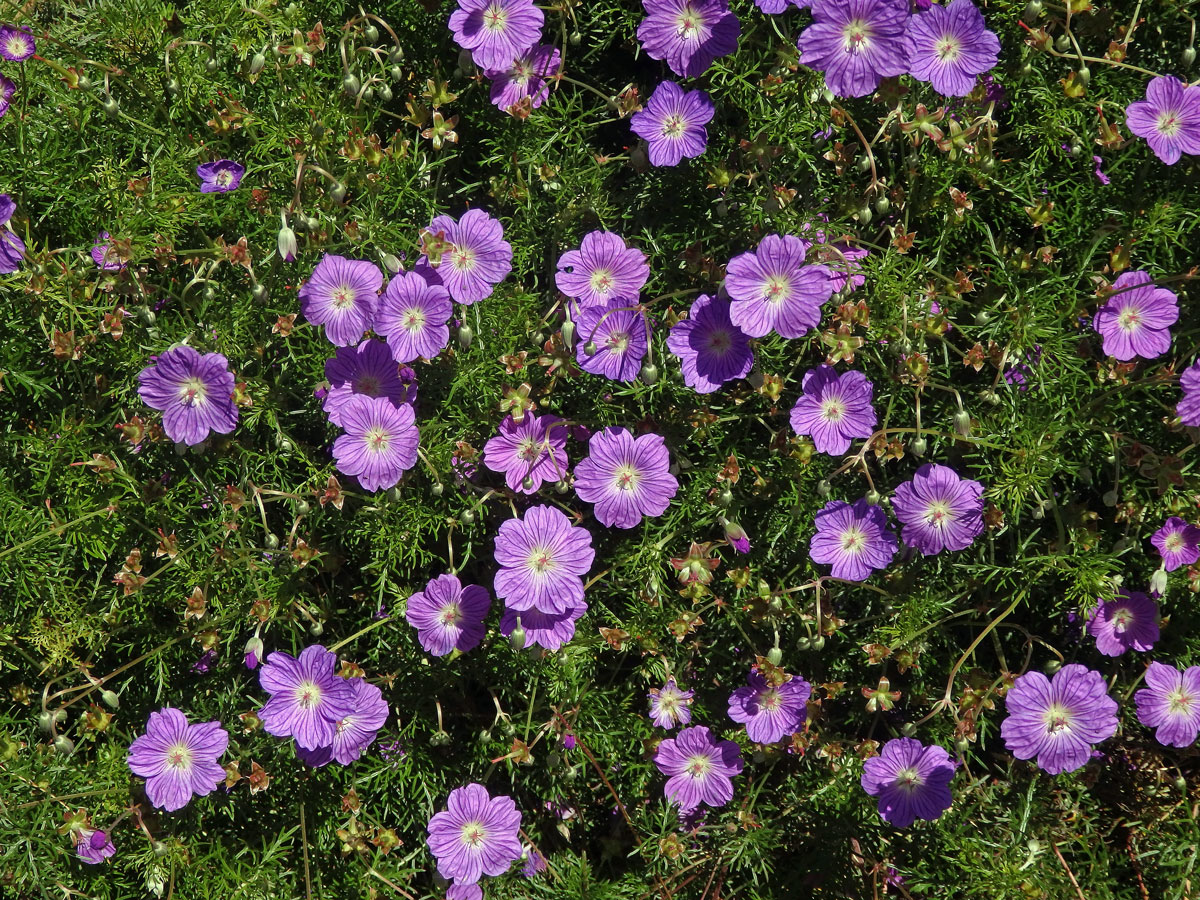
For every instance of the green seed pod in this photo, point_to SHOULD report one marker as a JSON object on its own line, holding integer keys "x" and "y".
{"x": 85, "y": 83}
{"x": 1186, "y": 60}
{"x": 46, "y": 723}
{"x": 396, "y": 74}
{"x": 872, "y": 497}
{"x": 210, "y": 64}
{"x": 818, "y": 643}
{"x": 384, "y": 93}
{"x": 64, "y": 745}
{"x": 917, "y": 446}
{"x": 1052, "y": 666}
{"x": 1033, "y": 9}
{"x": 110, "y": 105}
{"x": 465, "y": 336}
{"x": 824, "y": 488}
{"x": 516, "y": 637}
{"x": 271, "y": 542}
{"x": 908, "y": 729}
{"x": 257, "y": 63}
{"x": 527, "y": 483}
{"x": 351, "y": 85}
{"x": 437, "y": 489}
{"x": 882, "y": 205}
{"x": 962, "y": 745}
{"x": 774, "y": 656}
{"x": 724, "y": 496}
{"x": 371, "y": 33}
{"x": 259, "y": 293}
{"x": 1084, "y": 74}
{"x": 568, "y": 334}
{"x": 589, "y": 349}
{"x": 649, "y": 374}
{"x": 396, "y": 54}
{"x": 467, "y": 516}
{"x": 337, "y": 193}
{"x": 1063, "y": 43}
{"x": 110, "y": 699}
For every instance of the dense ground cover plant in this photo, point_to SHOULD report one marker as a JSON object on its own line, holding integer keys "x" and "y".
{"x": 673, "y": 449}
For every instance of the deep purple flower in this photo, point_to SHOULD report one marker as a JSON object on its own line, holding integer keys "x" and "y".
{"x": 1178, "y": 543}
{"x": 774, "y": 7}
{"x": 711, "y": 349}
{"x": 672, "y": 123}
{"x": 367, "y": 370}
{"x": 939, "y": 510}
{"x": 602, "y": 271}
{"x": 700, "y": 768}
{"x": 626, "y": 477}
{"x": 948, "y": 46}
{"x": 834, "y": 409}
{"x": 856, "y": 43}
{"x": 1170, "y": 703}
{"x": 343, "y": 295}
{"x": 448, "y": 615}
{"x": 307, "y": 698}
{"x": 670, "y": 706}
{"x": 478, "y": 257}
{"x": 12, "y": 248}
{"x": 1058, "y": 721}
{"x": 93, "y": 846}
{"x": 178, "y": 759}
{"x": 534, "y": 449}
{"x": 7, "y": 89}
{"x": 220, "y": 177}
{"x": 738, "y": 539}
{"x": 912, "y": 781}
{"x": 526, "y": 76}
{"x": 542, "y": 558}
{"x": 1100, "y": 175}
{"x": 770, "y": 711}
{"x": 412, "y": 316}
{"x": 16, "y": 43}
{"x": 204, "y": 663}
{"x": 476, "y": 835}
{"x": 854, "y": 539}
{"x": 194, "y": 393}
{"x": 1188, "y": 408}
{"x": 1169, "y": 118}
{"x": 619, "y": 336}
{"x": 252, "y": 654}
{"x": 547, "y": 630}
{"x": 380, "y": 443}
{"x": 1137, "y": 317}
{"x": 688, "y": 34}
{"x": 535, "y": 863}
{"x": 496, "y": 31}
{"x": 104, "y": 256}
{"x": 356, "y": 731}
{"x": 773, "y": 290}
{"x": 1127, "y": 622}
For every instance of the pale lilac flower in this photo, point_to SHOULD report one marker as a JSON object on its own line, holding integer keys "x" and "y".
{"x": 773, "y": 290}
{"x": 688, "y": 34}
{"x": 711, "y": 349}
{"x": 542, "y": 558}
{"x": 855, "y": 539}
{"x": 834, "y": 409}
{"x": 1170, "y": 704}
{"x": 308, "y": 698}
{"x": 672, "y": 124}
{"x": 602, "y": 271}
{"x": 939, "y": 510}
{"x": 343, "y": 295}
{"x": 194, "y": 392}
{"x": 856, "y": 43}
{"x": 368, "y": 370}
{"x": 949, "y": 46}
{"x": 16, "y": 43}
{"x": 1169, "y": 118}
{"x": 496, "y": 31}
{"x": 449, "y": 616}
{"x": 619, "y": 337}
{"x": 7, "y": 89}
{"x": 380, "y": 443}
{"x": 356, "y": 731}
{"x": 526, "y": 77}
{"x": 626, "y": 477}
{"x": 478, "y": 257}
{"x": 1057, "y": 721}
{"x": 220, "y": 177}
{"x": 528, "y": 452}
{"x": 1178, "y": 543}
{"x": 1188, "y": 408}
{"x": 1136, "y": 319}
{"x": 413, "y": 316}
{"x": 699, "y": 767}
{"x": 770, "y": 711}
{"x": 178, "y": 759}
{"x": 670, "y": 705}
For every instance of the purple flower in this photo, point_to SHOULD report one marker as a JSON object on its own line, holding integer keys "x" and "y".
{"x": 939, "y": 510}
{"x": 1188, "y": 408}
{"x": 602, "y": 271}
{"x": 16, "y": 43}
{"x": 343, "y": 295}
{"x": 856, "y": 43}
{"x": 619, "y": 336}
{"x": 736, "y": 535}
{"x": 458, "y": 891}
{"x": 670, "y": 706}
{"x": 253, "y": 652}
{"x": 220, "y": 177}
{"x": 626, "y": 477}
{"x": 1100, "y": 176}
{"x": 105, "y": 258}
{"x": 535, "y": 864}
{"x": 912, "y": 781}
{"x": 834, "y": 409}
{"x": 1178, "y": 543}
{"x": 478, "y": 259}
{"x": 774, "y": 7}
{"x": 854, "y": 539}
{"x": 949, "y": 45}
{"x": 534, "y": 448}
{"x": 1127, "y": 622}
{"x": 7, "y": 89}
{"x": 547, "y": 630}
{"x": 1136, "y": 319}
{"x": 356, "y": 731}
{"x": 412, "y": 316}
{"x": 307, "y": 698}
{"x": 688, "y": 34}
{"x": 700, "y": 768}
{"x": 93, "y": 846}
{"x": 770, "y": 711}
{"x": 773, "y": 290}
{"x": 673, "y": 123}
{"x": 177, "y": 759}
{"x": 194, "y": 393}
{"x": 541, "y": 558}
{"x": 448, "y": 616}
{"x": 1058, "y": 721}
{"x": 1170, "y": 703}
{"x": 496, "y": 31}
{"x": 367, "y": 370}
{"x": 1169, "y": 118}
{"x": 711, "y": 349}
{"x": 475, "y": 835}
{"x": 526, "y": 76}
{"x": 380, "y": 443}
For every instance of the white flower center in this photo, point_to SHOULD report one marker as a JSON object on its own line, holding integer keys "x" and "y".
{"x": 377, "y": 439}
{"x": 1057, "y": 718}
{"x": 908, "y": 779}
{"x": 833, "y": 410}
{"x": 770, "y": 700}
{"x": 1174, "y": 542}
{"x": 938, "y": 514}
{"x": 1130, "y": 318}
{"x": 1179, "y": 702}
{"x": 343, "y": 296}
{"x": 856, "y": 36}
{"x": 308, "y": 694}
{"x": 853, "y": 539}
{"x": 1122, "y": 619}
{"x": 626, "y": 477}
{"x": 618, "y": 341}
{"x": 601, "y": 280}
{"x": 541, "y": 560}
{"x": 777, "y": 288}
{"x": 450, "y": 614}
{"x": 699, "y": 765}
{"x": 179, "y": 756}
{"x": 473, "y": 834}
{"x": 495, "y": 17}
{"x": 688, "y": 23}
{"x": 673, "y": 126}
{"x": 413, "y": 320}
{"x": 949, "y": 48}
{"x": 193, "y": 391}
{"x": 527, "y": 449}
{"x": 1169, "y": 123}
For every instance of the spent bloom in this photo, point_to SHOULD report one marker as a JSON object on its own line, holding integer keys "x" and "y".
{"x": 912, "y": 781}
{"x": 834, "y": 409}
{"x": 604, "y": 269}
{"x": 413, "y": 316}
{"x": 178, "y": 759}
{"x": 93, "y": 846}
{"x": 688, "y": 34}
{"x": 626, "y": 477}
{"x": 619, "y": 337}
{"x": 16, "y": 43}
{"x": 1178, "y": 543}
{"x": 1127, "y": 622}
{"x": 104, "y": 256}
{"x": 1136, "y": 319}
{"x": 476, "y": 835}
{"x": 1057, "y": 721}
{"x": 380, "y": 443}
{"x": 948, "y": 46}
{"x": 12, "y": 248}
{"x": 356, "y": 731}
{"x": 307, "y": 698}
{"x": 770, "y": 711}
{"x": 1169, "y": 118}
{"x": 1188, "y": 408}
{"x": 853, "y": 538}
{"x": 542, "y": 558}
{"x": 448, "y": 616}
{"x": 193, "y": 392}
{"x": 777, "y": 6}
{"x": 670, "y": 705}
{"x": 343, "y": 295}
{"x": 367, "y": 370}
{"x": 477, "y": 258}
{"x": 773, "y": 290}
{"x": 672, "y": 124}
{"x": 700, "y": 768}
{"x": 220, "y": 177}
{"x": 528, "y": 452}
{"x": 1170, "y": 704}
{"x": 7, "y": 89}
{"x": 939, "y": 510}
{"x": 547, "y": 630}
{"x": 856, "y": 43}
{"x": 711, "y": 349}
{"x": 496, "y": 31}
{"x": 526, "y": 77}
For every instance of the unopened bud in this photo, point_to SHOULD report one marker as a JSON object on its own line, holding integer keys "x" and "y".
{"x": 824, "y": 488}
{"x": 649, "y": 374}
{"x": 917, "y": 446}
{"x": 259, "y": 293}
{"x": 257, "y": 62}
{"x": 371, "y": 33}
{"x": 437, "y": 489}
{"x": 527, "y": 483}
{"x": 516, "y": 637}
{"x": 818, "y": 643}
{"x": 774, "y": 656}
{"x": 110, "y": 699}
{"x": 908, "y": 729}
{"x": 465, "y": 336}
{"x": 1052, "y": 666}
{"x": 351, "y": 85}
{"x": 872, "y": 497}
{"x": 467, "y": 516}
{"x": 287, "y": 244}
{"x": 64, "y": 744}
{"x": 589, "y": 349}
{"x": 337, "y": 193}
{"x": 962, "y": 422}
{"x": 568, "y": 334}
{"x": 1186, "y": 60}
{"x": 724, "y": 496}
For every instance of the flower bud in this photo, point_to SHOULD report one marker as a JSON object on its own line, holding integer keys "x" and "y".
{"x": 962, "y": 422}
{"x": 882, "y": 205}
{"x": 110, "y": 698}
{"x": 46, "y": 723}
{"x": 649, "y": 374}
{"x": 774, "y": 656}
{"x": 259, "y": 293}
{"x": 1083, "y": 74}
{"x": 824, "y": 488}
{"x": 962, "y": 745}
{"x": 288, "y": 247}
{"x": 527, "y": 483}
{"x": 1033, "y": 9}
{"x": 1186, "y": 60}
{"x": 1052, "y": 666}
{"x": 396, "y": 73}
{"x": 1158, "y": 582}
{"x": 64, "y": 745}
{"x": 384, "y": 93}
{"x": 351, "y": 85}
{"x": 316, "y": 629}
{"x": 467, "y": 516}
{"x": 211, "y": 64}
{"x": 589, "y": 349}
{"x": 872, "y": 497}
{"x": 391, "y": 263}
{"x": 724, "y": 496}
{"x": 517, "y": 636}
{"x": 803, "y": 643}
{"x": 437, "y": 489}
{"x": 85, "y": 83}
{"x": 254, "y": 652}
{"x": 337, "y": 193}
{"x": 1110, "y": 498}
{"x": 908, "y": 729}
{"x": 110, "y": 106}
{"x": 818, "y": 643}
{"x": 917, "y": 446}
{"x": 395, "y": 55}
{"x": 257, "y": 62}
{"x": 736, "y": 535}
{"x": 465, "y": 336}
{"x": 371, "y": 34}
{"x": 159, "y": 848}
{"x": 568, "y": 334}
